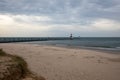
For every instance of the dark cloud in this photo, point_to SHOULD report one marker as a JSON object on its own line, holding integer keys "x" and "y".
{"x": 64, "y": 9}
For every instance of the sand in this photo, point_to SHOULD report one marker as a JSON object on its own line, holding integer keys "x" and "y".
{"x": 56, "y": 63}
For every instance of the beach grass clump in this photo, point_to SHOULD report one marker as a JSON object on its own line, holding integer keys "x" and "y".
{"x": 2, "y": 53}
{"x": 22, "y": 63}
{"x": 18, "y": 60}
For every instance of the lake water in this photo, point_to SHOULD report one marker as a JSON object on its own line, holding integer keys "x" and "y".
{"x": 91, "y": 43}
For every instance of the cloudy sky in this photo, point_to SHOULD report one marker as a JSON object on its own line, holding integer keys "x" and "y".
{"x": 38, "y": 18}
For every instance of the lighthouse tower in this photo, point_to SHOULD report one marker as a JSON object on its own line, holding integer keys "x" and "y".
{"x": 71, "y": 37}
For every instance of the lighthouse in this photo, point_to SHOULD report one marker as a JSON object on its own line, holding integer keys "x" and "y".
{"x": 71, "y": 37}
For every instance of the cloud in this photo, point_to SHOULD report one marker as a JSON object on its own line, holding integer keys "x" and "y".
{"x": 22, "y": 25}
{"x": 31, "y": 18}
{"x": 55, "y": 17}
{"x": 106, "y": 25}
{"x": 5, "y": 20}
{"x": 63, "y": 8}
{"x": 99, "y": 27}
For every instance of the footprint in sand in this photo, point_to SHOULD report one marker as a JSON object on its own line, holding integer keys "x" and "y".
{"x": 59, "y": 57}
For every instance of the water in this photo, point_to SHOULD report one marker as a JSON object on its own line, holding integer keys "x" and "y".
{"x": 91, "y": 43}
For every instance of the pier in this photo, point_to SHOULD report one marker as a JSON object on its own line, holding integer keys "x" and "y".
{"x": 28, "y": 39}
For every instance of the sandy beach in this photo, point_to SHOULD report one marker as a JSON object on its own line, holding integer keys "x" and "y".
{"x": 57, "y": 63}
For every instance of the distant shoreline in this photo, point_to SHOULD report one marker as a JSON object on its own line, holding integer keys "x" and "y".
{"x": 117, "y": 52}
{"x": 90, "y": 48}
{"x": 99, "y": 49}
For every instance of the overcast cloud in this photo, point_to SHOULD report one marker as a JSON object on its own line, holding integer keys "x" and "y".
{"x": 91, "y": 18}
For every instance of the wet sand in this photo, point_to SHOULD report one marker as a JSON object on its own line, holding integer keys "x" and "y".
{"x": 56, "y": 63}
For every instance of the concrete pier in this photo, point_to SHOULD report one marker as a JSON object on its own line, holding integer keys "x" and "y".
{"x": 27, "y": 39}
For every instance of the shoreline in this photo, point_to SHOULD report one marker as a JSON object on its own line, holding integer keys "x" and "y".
{"x": 59, "y": 63}
{"x": 104, "y": 50}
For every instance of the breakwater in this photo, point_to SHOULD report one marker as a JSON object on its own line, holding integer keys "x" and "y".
{"x": 26, "y": 39}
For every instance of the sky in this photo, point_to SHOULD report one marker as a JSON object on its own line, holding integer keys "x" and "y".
{"x": 59, "y": 18}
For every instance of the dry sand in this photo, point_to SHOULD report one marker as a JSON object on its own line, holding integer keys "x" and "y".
{"x": 56, "y": 63}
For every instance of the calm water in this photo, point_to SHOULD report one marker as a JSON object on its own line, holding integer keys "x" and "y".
{"x": 91, "y": 43}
